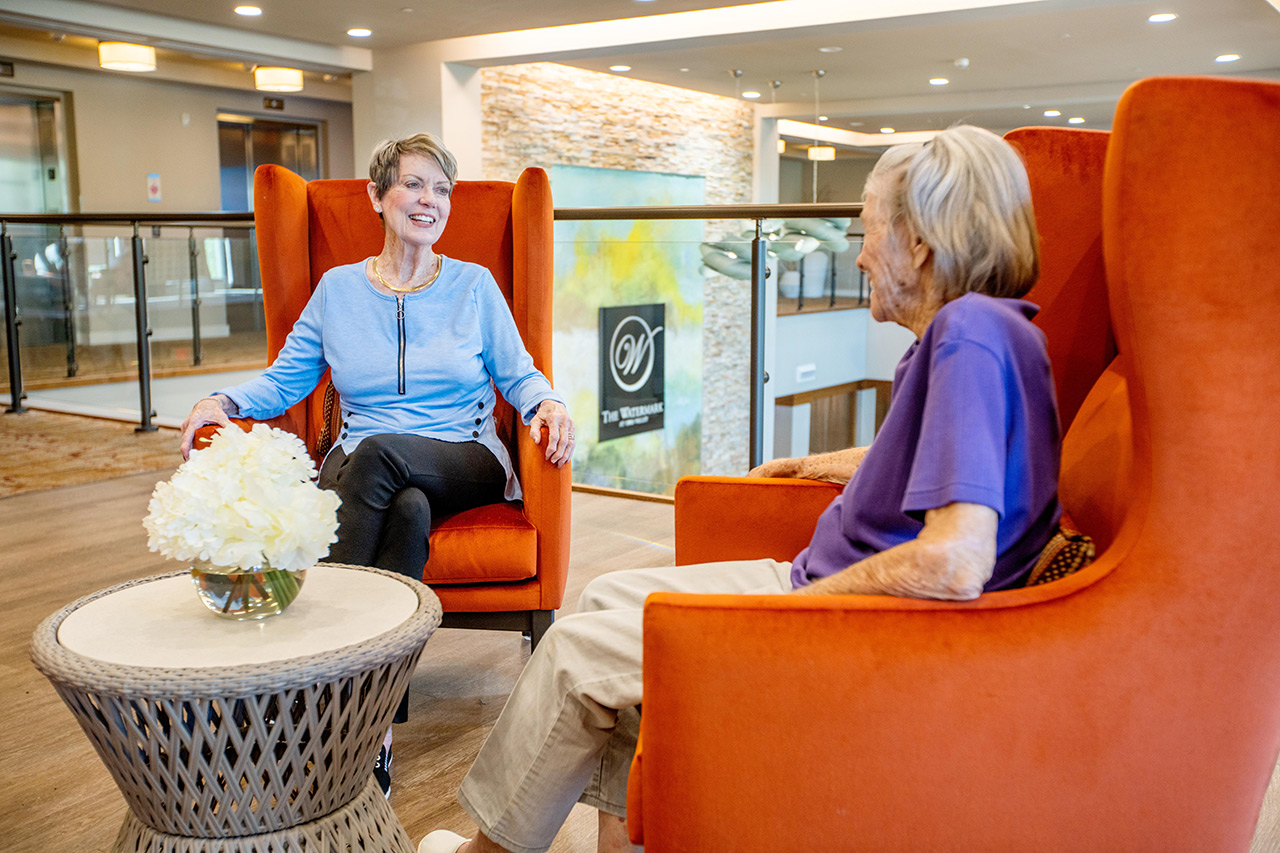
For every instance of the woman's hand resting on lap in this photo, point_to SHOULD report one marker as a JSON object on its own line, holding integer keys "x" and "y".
{"x": 560, "y": 433}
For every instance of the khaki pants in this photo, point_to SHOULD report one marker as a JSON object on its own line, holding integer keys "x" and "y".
{"x": 568, "y": 731}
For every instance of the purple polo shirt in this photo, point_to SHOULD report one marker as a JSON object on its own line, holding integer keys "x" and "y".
{"x": 972, "y": 418}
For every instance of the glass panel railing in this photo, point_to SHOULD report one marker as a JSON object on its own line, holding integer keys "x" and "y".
{"x": 619, "y": 279}
{"x": 651, "y": 348}
{"x": 76, "y": 307}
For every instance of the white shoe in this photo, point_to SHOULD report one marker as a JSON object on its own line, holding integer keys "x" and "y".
{"x": 441, "y": 841}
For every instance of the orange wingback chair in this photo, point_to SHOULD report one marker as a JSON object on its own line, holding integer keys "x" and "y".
{"x": 501, "y": 566}
{"x": 1134, "y": 705}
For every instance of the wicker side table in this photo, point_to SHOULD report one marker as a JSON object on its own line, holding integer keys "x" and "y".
{"x": 243, "y": 736}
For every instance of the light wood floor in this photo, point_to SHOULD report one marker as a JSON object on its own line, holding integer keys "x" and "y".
{"x": 60, "y": 544}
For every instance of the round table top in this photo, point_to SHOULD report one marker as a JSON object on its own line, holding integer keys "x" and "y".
{"x": 161, "y": 622}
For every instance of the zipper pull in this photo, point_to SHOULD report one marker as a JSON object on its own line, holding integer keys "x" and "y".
{"x": 399, "y": 307}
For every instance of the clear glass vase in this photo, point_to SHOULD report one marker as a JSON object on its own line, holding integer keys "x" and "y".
{"x": 239, "y": 594}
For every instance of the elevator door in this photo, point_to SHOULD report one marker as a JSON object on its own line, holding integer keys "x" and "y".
{"x": 244, "y": 144}
{"x": 31, "y": 179}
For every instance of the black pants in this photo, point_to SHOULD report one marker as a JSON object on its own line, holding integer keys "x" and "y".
{"x": 392, "y": 486}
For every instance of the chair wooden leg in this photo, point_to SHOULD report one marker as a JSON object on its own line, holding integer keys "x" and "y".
{"x": 539, "y": 622}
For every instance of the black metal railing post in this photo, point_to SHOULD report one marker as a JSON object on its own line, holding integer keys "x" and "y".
{"x": 831, "y": 276}
{"x": 197, "y": 353}
{"x": 759, "y": 301}
{"x": 144, "y": 333}
{"x": 12, "y": 320}
{"x": 68, "y": 302}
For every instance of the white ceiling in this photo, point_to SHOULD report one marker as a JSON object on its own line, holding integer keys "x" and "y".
{"x": 1072, "y": 55}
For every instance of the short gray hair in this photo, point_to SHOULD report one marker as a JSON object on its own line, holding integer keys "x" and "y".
{"x": 384, "y": 165}
{"x": 966, "y": 194}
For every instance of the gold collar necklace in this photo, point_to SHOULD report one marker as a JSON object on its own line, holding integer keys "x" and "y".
{"x": 430, "y": 281}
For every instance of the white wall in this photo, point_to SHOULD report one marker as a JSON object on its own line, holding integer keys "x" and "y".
{"x": 838, "y": 180}
{"x": 128, "y": 126}
{"x": 834, "y": 342}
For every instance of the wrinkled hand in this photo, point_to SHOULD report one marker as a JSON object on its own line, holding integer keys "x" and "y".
{"x": 206, "y": 411}
{"x": 786, "y": 467}
{"x": 560, "y": 431}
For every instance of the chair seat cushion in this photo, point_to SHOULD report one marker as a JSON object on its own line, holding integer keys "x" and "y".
{"x": 489, "y": 543}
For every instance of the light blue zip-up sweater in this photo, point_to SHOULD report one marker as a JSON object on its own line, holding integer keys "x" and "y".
{"x": 420, "y": 364}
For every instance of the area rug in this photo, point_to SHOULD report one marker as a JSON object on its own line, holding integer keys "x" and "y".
{"x": 44, "y": 450}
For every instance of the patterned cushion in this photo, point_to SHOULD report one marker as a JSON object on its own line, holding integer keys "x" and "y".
{"x": 1068, "y": 552}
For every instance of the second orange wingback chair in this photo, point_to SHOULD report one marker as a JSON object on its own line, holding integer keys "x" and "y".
{"x": 502, "y": 566}
{"x": 1134, "y": 705}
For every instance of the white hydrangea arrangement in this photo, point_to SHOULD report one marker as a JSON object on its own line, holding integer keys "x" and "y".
{"x": 245, "y": 500}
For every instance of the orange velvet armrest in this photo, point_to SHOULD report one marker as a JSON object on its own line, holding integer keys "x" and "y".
{"x": 206, "y": 433}
{"x": 747, "y": 518}
{"x": 547, "y": 496}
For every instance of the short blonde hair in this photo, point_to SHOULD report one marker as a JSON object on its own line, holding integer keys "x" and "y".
{"x": 966, "y": 194}
{"x": 384, "y": 165}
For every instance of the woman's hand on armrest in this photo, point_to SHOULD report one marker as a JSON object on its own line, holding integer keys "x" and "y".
{"x": 560, "y": 432}
{"x": 835, "y": 467}
{"x": 210, "y": 410}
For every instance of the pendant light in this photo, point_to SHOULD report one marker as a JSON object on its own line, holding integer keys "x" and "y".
{"x": 271, "y": 79}
{"x": 122, "y": 56}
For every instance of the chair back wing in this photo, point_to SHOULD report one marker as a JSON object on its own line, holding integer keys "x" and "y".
{"x": 343, "y": 225}
{"x": 1190, "y": 214}
{"x": 1065, "y": 166}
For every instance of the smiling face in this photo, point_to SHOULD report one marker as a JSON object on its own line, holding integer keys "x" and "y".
{"x": 896, "y": 267}
{"x": 416, "y": 207}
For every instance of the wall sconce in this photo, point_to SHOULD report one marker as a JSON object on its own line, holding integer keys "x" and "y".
{"x": 270, "y": 79}
{"x": 782, "y": 146}
{"x": 822, "y": 152}
{"x": 122, "y": 56}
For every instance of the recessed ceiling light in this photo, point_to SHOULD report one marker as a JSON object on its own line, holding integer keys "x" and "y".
{"x": 832, "y": 49}
{"x": 1162, "y": 17}
{"x": 619, "y": 67}
{"x": 359, "y": 32}
{"x": 1052, "y": 113}
{"x": 1228, "y": 57}
{"x": 248, "y": 11}
{"x": 939, "y": 81}
{"x": 750, "y": 94}
{"x": 822, "y": 118}
{"x": 855, "y": 124}
{"x": 683, "y": 69}
{"x": 1075, "y": 120}
{"x": 886, "y": 130}
{"x": 407, "y": 9}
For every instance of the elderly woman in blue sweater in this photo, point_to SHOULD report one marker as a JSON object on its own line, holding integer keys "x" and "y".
{"x": 416, "y": 343}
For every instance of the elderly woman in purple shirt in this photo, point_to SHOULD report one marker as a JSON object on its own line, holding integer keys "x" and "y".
{"x": 957, "y": 494}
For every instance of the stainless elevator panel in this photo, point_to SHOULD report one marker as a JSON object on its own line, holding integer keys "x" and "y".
{"x": 246, "y": 143}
